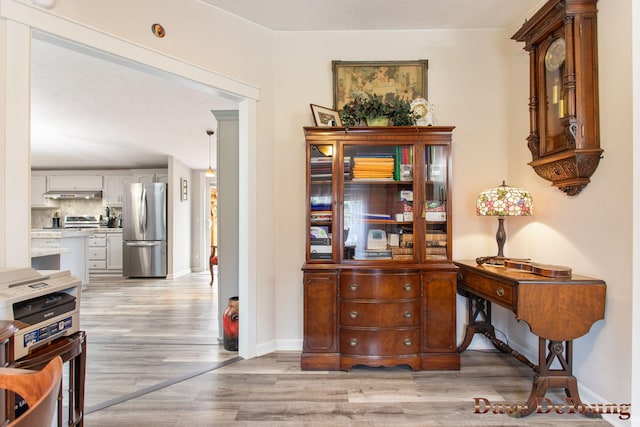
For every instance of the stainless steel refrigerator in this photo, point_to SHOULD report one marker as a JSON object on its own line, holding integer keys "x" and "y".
{"x": 144, "y": 230}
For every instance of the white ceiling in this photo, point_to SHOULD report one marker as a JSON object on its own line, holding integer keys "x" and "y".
{"x": 95, "y": 112}
{"x": 90, "y": 111}
{"x": 332, "y": 15}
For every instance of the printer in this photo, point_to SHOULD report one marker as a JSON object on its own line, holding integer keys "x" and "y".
{"x": 46, "y": 304}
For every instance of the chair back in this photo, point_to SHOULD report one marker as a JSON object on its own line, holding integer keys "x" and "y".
{"x": 40, "y": 389}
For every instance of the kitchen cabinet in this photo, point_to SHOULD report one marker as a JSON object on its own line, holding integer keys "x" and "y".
{"x": 105, "y": 252}
{"x": 61, "y": 250}
{"x": 76, "y": 259}
{"x": 98, "y": 253}
{"x": 113, "y": 189}
{"x": 379, "y": 282}
{"x": 38, "y": 188}
{"x": 114, "y": 252}
{"x": 160, "y": 175}
{"x": 74, "y": 182}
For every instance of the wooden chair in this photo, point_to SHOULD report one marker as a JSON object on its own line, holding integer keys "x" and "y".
{"x": 213, "y": 260}
{"x": 40, "y": 389}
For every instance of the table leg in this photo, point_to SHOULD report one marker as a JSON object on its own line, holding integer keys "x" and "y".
{"x": 479, "y": 311}
{"x": 561, "y": 377}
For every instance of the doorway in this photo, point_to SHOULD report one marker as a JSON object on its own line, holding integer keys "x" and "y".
{"x": 19, "y": 32}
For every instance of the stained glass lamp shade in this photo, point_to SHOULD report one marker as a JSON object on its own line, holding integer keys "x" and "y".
{"x": 504, "y": 201}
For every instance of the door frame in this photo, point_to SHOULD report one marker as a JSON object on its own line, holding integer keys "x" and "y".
{"x": 23, "y": 20}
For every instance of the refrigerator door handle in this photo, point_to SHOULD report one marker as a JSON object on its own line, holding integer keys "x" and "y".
{"x": 143, "y": 210}
{"x": 143, "y": 243}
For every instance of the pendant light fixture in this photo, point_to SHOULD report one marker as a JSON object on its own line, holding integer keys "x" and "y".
{"x": 210, "y": 173}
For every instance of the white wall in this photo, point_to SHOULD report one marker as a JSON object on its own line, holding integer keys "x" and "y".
{"x": 179, "y": 218}
{"x": 585, "y": 232}
{"x": 635, "y": 283}
{"x": 465, "y": 82}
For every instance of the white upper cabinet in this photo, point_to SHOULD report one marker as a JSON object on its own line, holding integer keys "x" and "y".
{"x": 74, "y": 182}
{"x": 113, "y": 189}
{"x": 38, "y": 188}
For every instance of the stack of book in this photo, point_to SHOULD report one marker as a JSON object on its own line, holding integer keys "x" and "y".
{"x": 373, "y": 167}
{"x": 321, "y": 168}
{"x": 347, "y": 168}
{"x": 403, "y": 163}
{"x": 320, "y": 243}
{"x": 435, "y": 211}
{"x": 436, "y": 163}
{"x": 320, "y": 208}
{"x": 436, "y": 245}
{"x": 375, "y": 254}
{"x": 320, "y": 216}
{"x": 402, "y": 253}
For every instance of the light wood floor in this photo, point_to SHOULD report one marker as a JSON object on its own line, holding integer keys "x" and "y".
{"x": 153, "y": 359}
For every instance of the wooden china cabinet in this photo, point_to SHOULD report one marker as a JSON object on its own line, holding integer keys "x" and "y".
{"x": 379, "y": 282}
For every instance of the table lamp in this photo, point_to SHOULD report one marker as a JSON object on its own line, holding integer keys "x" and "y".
{"x": 504, "y": 201}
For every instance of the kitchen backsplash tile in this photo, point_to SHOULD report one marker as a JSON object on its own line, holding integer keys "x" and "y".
{"x": 41, "y": 218}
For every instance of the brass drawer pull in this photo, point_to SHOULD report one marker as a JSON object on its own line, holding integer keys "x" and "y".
{"x": 500, "y": 291}
{"x": 353, "y": 287}
{"x": 353, "y": 342}
{"x": 407, "y": 342}
{"x": 407, "y": 315}
{"x": 408, "y": 287}
{"x": 353, "y": 314}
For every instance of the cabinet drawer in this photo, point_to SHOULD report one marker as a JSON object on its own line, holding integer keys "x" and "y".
{"x": 98, "y": 254}
{"x": 97, "y": 265}
{"x": 97, "y": 241}
{"x": 380, "y": 286}
{"x": 380, "y": 314}
{"x": 386, "y": 342}
{"x": 498, "y": 292}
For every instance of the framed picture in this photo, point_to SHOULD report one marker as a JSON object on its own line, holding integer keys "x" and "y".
{"x": 406, "y": 80}
{"x": 184, "y": 189}
{"x": 324, "y": 116}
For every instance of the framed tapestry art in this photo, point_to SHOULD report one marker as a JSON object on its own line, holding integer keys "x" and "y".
{"x": 405, "y": 80}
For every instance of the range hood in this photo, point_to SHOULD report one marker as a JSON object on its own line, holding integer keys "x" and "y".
{"x": 73, "y": 194}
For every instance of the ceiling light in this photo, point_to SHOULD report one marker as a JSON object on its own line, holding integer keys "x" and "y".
{"x": 210, "y": 173}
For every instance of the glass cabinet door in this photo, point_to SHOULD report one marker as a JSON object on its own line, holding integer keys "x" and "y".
{"x": 435, "y": 213}
{"x": 377, "y": 209}
{"x": 320, "y": 208}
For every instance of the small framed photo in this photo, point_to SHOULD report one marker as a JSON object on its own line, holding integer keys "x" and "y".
{"x": 324, "y": 116}
{"x": 184, "y": 190}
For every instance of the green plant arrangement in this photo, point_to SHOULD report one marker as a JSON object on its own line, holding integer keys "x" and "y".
{"x": 361, "y": 111}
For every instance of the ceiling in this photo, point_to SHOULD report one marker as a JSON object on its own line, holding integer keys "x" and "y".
{"x": 91, "y": 111}
{"x": 335, "y": 15}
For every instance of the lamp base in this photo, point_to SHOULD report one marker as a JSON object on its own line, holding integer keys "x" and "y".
{"x": 501, "y": 236}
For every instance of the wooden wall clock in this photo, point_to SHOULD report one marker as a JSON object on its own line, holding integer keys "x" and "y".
{"x": 564, "y": 136}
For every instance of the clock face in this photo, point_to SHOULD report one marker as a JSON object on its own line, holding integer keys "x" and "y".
{"x": 555, "y": 55}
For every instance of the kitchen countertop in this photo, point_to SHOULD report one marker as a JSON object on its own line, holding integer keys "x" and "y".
{"x": 46, "y": 242}
{"x": 108, "y": 230}
{"x": 58, "y": 233}
{"x": 38, "y": 252}
{"x": 49, "y": 233}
